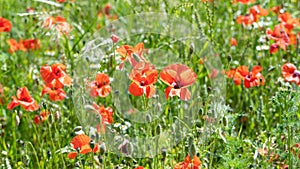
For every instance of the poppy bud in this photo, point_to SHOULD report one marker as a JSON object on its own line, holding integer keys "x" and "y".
{"x": 102, "y": 148}
{"x": 191, "y": 49}
{"x": 158, "y": 129}
{"x": 114, "y": 38}
{"x": 92, "y": 144}
{"x": 17, "y": 120}
{"x": 148, "y": 118}
{"x": 164, "y": 153}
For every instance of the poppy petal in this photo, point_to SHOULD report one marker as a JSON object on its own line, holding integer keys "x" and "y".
{"x": 72, "y": 155}
{"x": 185, "y": 94}
{"x": 135, "y": 89}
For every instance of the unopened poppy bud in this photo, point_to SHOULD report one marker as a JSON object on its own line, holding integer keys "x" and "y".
{"x": 164, "y": 153}
{"x": 114, "y": 38}
{"x": 78, "y": 128}
{"x": 192, "y": 150}
{"x": 229, "y": 58}
{"x": 102, "y": 148}
{"x": 57, "y": 115}
{"x": 191, "y": 49}
{"x": 148, "y": 118}
{"x": 44, "y": 105}
{"x": 49, "y": 154}
{"x": 17, "y": 120}
{"x": 92, "y": 144}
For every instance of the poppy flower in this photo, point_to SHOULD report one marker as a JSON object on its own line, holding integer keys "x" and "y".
{"x": 106, "y": 113}
{"x": 246, "y": 20}
{"x": 139, "y": 167}
{"x": 178, "y": 77}
{"x": 32, "y": 44}
{"x": 100, "y": 87}
{"x": 127, "y": 54}
{"x": 288, "y": 21}
{"x": 24, "y": 99}
{"x": 81, "y": 143}
{"x": 189, "y": 163}
{"x": 114, "y": 38}
{"x": 251, "y": 79}
{"x": 257, "y": 11}
{"x": 254, "y": 78}
{"x": 143, "y": 76}
{"x": 244, "y": 1}
{"x": 55, "y": 94}
{"x": 5, "y": 25}
{"x": 233, "y": 42}
{"x": 280, "y": 36}
{"x": 41, "y": 117}
{"x": 59, "y": 23}
{"x": 56, "y": 75}
{"x": 15, "y": 46}
{"x": 213, "y": 74}
{"x": 290, "y": 73}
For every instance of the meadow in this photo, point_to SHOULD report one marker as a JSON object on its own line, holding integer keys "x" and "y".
{"x": 181, "y": 84}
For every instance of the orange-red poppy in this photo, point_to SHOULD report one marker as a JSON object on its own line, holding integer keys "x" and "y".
{"x": 279, "y": 35}
{"x": 56, "y": 75}
{"x": 81, "y": 143}
{"x": 55, "y": 94}
{"x": 233, "y": 42}
{"x": 59, "y": 23}
{"x": 251, "y": 79}
{"x": 139, "y": 167}
{"x": 143, "y": 76}
{"x": 5, "y": 25}
{"x": 127, "y": 52}
{"x": 213, "y": 74}
{"x": 15, "y": 46}
{"x": 243, "y": 1}
{"x": 32, "y": 44}
{"x": 290, "y": 73}
{"x": 257, "y": 11}
{"x": 254, "y": 78}
{"x": 106, "y": 113}
{"x": 101, "y": 86}
{"x": 288, "y": 21}
{"x": 178, "y": 77}
{"x": 41, "y": 117}
{"x": 189, "y": 163}
{"x": 24, "y": 99}
{"x": 246, "y": 20}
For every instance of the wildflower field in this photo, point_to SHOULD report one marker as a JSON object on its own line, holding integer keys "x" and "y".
{"x": 154, "y": 84}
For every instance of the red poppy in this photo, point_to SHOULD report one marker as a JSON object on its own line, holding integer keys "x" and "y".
{"x": 276, "y": 9}
{"x": 246, "y": 20}
{"x": 106, "y": 113}
{"x": 280, "y": 36}
{"x": 233, "y": 42}
{"x": 178, "y": 77}
{"x": 251, "y": 79}
{"x": 139, "y": 167}
{"x": 24, "y": 99}
{"x": 244, "y": 1}
{"x": 5, "y": 25}
{"x": 213, "y": 74}
{"x": 254, "y": 78}
{"x": 15, "y": 46}
{"x": 100, "y": 87}
{"x": 59, "y": 23}
{"x": 81, "y": 143}
{"x": 56, "y": 75}
{"x": 127, "y": 52}
{"x": 257, "y": 11}
{"x": 288, "y": 21}
{"x": 189, "y": 163}
{"x": 41, "y": 117}
{"x": 114, "y": 38}
{"x": 143, "y": 75}
{"x": 32, "y": 44}
{"x": 55, "y": 94}
{"x": 290, "y": 73}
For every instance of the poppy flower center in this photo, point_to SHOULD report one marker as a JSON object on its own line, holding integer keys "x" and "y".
{"x": 142, "y": 83}
{"x": 296, "y": 74}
